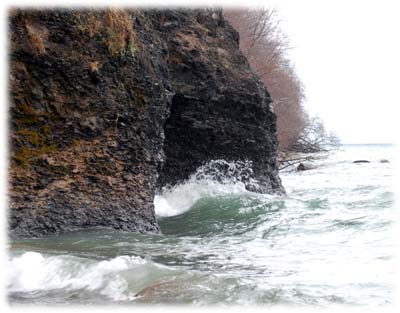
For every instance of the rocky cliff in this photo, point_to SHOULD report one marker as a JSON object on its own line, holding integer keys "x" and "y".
{"x": 107, "y": 105}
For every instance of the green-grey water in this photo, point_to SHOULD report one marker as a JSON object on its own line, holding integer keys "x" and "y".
{"x": 328, "y": 241}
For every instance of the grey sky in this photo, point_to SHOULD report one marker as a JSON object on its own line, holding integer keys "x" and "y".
{"x": 347, "y": 55}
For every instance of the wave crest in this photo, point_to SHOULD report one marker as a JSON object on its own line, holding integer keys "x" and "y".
{"x": 215, "y": 178}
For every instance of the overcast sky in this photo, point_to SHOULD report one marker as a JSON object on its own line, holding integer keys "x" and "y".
{"x": 347, "y": 55}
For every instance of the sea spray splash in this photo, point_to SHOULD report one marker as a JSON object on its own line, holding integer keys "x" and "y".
{"x": 215, "y": 178}
{"x": 119, "y": 278}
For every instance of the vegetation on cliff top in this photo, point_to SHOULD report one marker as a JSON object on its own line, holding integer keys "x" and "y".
{"x": 114, "y": 27}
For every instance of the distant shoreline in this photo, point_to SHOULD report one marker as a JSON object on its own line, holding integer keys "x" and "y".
{"x": 367, "y": 144}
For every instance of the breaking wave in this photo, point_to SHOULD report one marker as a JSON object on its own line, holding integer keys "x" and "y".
{"x": 216, "y": 179}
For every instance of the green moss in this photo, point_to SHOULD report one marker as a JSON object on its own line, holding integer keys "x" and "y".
{"x": 114, "y": 28}
{"x": 88, "y": 23}
{"x": 133, "y": 48}
{"x": 45, "y": 129}
{"x": 27, "y": 115}
{"x": 75, "y": 142}
{"x": 25, "y": 120}
{"x": 23, "y": 155}
{"x": 26, "y": 109}
{"x": 46, "y": 149}
{"x": 26, "y": 154}
{"x": 114, "y": 43}
{"x": 33, "y": 137}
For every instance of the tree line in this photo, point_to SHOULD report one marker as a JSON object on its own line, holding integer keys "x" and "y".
{"x": 266, "y": 47}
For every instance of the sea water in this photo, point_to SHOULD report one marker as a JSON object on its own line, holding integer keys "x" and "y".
{"x": 329, "y": 241}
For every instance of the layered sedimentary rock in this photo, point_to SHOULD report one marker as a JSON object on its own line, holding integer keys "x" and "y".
{"x": 105, "y": 106}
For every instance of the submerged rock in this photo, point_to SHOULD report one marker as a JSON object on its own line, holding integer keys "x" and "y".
{"x": 107, "y": 105}
{"x": 361, "y": 161}
{"x": 167, "y": 288}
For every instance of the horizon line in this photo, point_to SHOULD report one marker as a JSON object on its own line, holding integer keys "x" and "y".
{"x": 368, "y": 143}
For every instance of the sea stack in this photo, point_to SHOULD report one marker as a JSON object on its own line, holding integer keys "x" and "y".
{"x": 108, "y": 106}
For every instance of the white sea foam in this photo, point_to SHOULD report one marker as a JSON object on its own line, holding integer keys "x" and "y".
{"x": 214, "y": 179}
{"x": 33, "y": 271}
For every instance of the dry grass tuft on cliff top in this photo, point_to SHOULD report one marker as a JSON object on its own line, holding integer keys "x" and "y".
{"x": 37, "y": 35}
{"x": 114, "y": 27}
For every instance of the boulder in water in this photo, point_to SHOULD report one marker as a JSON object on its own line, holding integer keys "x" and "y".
{"x": 384, "y": 161}
{"x": 305, "y": 167}
{"x": 301, "y": 167}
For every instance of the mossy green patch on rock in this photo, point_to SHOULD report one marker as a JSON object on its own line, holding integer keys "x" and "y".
{"x": 27, "y": 115}
{"x": 112, "y": 27}
{"x": 35, "y": 145}
{"x": 33, "y": 135}
{"x": 25, "y": 155}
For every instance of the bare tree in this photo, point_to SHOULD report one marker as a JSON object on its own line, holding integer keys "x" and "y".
{"x": 314, "y": 138}
{"x": 265, "y": 46}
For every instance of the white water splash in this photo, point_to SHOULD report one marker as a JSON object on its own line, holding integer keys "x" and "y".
{"x": 33, "y": 271}
{"x": 214, "y": 179}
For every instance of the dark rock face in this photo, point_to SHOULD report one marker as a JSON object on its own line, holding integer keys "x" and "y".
{"x": 87, "y": 115}
{"x": 220, "y": 110}
{"x": 90, "y": 95}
